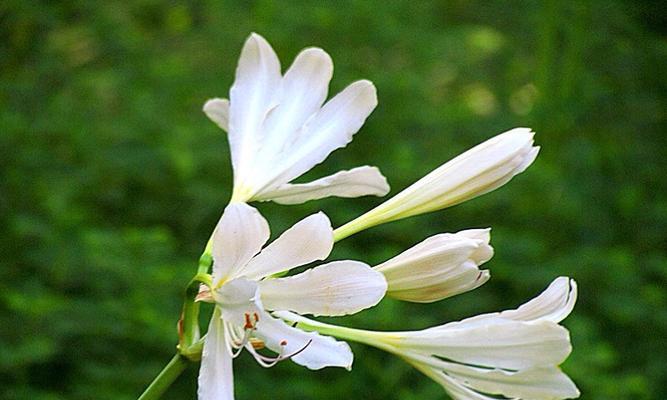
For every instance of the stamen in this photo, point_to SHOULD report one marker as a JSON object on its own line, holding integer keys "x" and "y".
{"x": 300, "y": 350}
{"x": 257, "y": 344}
{"x": 248, "y": 324}
{"x": 268, "y": 362}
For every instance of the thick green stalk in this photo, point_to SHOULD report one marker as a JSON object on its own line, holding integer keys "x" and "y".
{"x": 166, "y": 377}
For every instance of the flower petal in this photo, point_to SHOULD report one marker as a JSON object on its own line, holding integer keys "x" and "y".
{"x": 237, "y": 298}
{"x": 554, "y": 304}
{"x": 467, "y": 278}
{"x": 503, "y": 344}
{"x": 217, "y": 110}
{"x": 251, "y": 97}
{"x": 453, "y": 387}
{"x": 357, "y": 182}
{"x": 329, "y": 129}
{"x": 337, "y": 288}
{"x": 479, "y": 170}
{"x": 441, "y": 266}
{"x": 240, "y": 234}
{"x": 545, "y": 383}
{"x": 308, "y": 240}
{"x": 303, "y": 89}
{"x": 216, "y": 381}
{"x": 312, "y": 350}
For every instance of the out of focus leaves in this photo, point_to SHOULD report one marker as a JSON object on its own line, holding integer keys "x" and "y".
{"x": 111, "y": 178}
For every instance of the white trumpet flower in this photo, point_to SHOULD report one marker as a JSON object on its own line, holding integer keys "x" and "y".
{"x": 245, "y": 295}
{"x": 513, "y": 353}
{"x": 441, "y": 266}
{"x": 279, "y": 127}
{"x": 479, "y": 170}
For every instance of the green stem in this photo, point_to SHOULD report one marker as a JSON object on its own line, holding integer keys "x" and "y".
{"x": 166, "y": 377}
{"x": 189, "y": 324}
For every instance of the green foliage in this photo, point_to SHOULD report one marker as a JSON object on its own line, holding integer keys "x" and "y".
{"x": 111, "y": 178}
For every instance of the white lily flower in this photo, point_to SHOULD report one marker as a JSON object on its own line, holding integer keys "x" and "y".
{"x": 479, "y": 170}
{"x": 279, "y": 127}
{"x": 513, "y": 353}
{"x": 441, "y": 266}
{"x": 245, "y": 294}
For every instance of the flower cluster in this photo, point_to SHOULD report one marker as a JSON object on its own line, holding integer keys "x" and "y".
{"x": 279, "y": 126}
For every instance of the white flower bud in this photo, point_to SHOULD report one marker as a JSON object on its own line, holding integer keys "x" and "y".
{"x": 441, "y": 266}
{"x": 479, "y": 170}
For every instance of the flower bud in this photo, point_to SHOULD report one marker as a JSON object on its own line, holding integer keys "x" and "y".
{"x": 441, "y": 266}
{"x": 479, "y": 170}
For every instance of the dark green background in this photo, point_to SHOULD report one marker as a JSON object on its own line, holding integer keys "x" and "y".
{"x": 111, "y": 178}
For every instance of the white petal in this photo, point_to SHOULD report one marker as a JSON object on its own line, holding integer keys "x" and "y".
{"x": 308, "y": 240}
{"x": 357, "y": 182}
{"x": 479, "y": 170}
{"x": 441, "y": 266}
{"x": 329, "y": 129}
{"x": 237, "y": 298}
{"x": 240, "y": 234}
{"x": 216, "y": 381}
{"x": 251, "y": 97}
{"x": 314, "y": 351}
{"x": 484, "y": 252}
{"x": 303, "y": 89}
{"x": 503, "y": 344}
{"x": 554, "y": 304}
{"x": 466, "y": 278}
{"x": 453, "y": 387}
{"x": 217, "y": 110}
{"x": 337, "y": 288}
{"x": 544, "y": 383}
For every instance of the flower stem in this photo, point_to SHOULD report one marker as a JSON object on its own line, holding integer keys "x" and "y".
{"x": 166, "y": 377}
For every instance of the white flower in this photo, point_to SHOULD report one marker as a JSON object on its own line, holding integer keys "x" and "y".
{"x": 279, "y": 128}
{"x": 439, "y": 267}
{"x": 245, "y": 293}
{"x": 513, "y": 353}
{"x": 479, "y": 170}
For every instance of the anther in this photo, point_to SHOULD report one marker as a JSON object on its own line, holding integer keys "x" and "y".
{"x": 248, "y": 323}
{"x": 257, "y": 344}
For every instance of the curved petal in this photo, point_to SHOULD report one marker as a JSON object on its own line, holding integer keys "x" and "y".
{"x": 308, "y": 240}
{"x": 329, "y": 129}
{"x": 303, "y": 89}
{"x": 453, "y": 387}
{"x": 465, "y": 278}
{"x": 360, "y": 181}
{"x": 554, "y": 304}
{"x": 545, "y": 383}
{"x": 440, "y": 266}
{"x": 504, "y": 344}
{"x": 479, "y": 170}
{"x": 337, "y": 288}
{"x": 217, "y": 110}
{"x": 311, "y": 350}
{"x": 483, "y": 236}
{"x": 251, "y": 97}
{"x": 216, "y": 380}
{"x": 240, "y": 234}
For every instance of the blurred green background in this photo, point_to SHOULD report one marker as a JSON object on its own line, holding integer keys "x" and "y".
{"x": 111, "y": 178}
